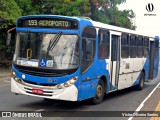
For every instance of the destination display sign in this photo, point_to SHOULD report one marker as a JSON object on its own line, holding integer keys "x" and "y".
{"x": 48, "y": 23}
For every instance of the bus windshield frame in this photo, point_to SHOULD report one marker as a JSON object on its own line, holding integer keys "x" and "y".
{"x": 32, "y": 50}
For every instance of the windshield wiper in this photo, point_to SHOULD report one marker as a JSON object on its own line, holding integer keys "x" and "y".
{"x": 53, "y": 42}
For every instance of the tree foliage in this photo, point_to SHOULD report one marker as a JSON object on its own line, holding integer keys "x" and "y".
{"x": 105, "y": 11}
{"x": 30, "y": 7}
{"x": 68, "y": 7}
{"x": 9, "y": 11}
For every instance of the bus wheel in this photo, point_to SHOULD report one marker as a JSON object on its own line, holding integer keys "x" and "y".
{"x": 141, "y": 82}
{"x": 99, "y": 93}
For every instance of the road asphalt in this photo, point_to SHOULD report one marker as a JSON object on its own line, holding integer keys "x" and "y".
{"x": 5, "y": 73}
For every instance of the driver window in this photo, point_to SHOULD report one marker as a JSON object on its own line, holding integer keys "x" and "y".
{"x": 88, "y": 47}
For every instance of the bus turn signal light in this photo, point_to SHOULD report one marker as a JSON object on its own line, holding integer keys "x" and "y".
{"x": 73, "y": 80}
{"x": 13, "y": 73}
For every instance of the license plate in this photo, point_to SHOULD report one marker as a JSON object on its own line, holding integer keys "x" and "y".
{"x": 37, "y": 91}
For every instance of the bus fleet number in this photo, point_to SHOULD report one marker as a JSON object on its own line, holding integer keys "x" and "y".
{"x": 32, "y": 22}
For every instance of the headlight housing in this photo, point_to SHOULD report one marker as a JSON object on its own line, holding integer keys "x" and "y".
{"x": 68, "y": 83}
{"x": 13, "y": 74}
{"x": 73, "y": 80}
{"x": 17, "y": 79}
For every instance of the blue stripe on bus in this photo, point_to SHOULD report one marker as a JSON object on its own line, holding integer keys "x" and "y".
{"x": 40, "y": 80}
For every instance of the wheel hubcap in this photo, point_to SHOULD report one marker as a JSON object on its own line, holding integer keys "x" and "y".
{"x": 99, "y": 91}
{"x": 142, "y": 82}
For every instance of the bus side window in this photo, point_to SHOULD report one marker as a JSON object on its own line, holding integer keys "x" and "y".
{"x": 146, "y": 47}
{"x": 103, "y": 44}
{"x": 133, "y": 46}
{"x": 88, "y": 47}
{"x": 139, "y": 44}
{"x": 125, "y": 46}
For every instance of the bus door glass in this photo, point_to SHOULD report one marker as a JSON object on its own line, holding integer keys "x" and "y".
{"x": 115, "y": 59}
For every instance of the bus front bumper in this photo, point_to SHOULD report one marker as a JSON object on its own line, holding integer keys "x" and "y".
{"x": 68, "y": 93}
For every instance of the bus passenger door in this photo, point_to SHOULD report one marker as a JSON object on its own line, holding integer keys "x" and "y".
{"x": 115, "y": 59}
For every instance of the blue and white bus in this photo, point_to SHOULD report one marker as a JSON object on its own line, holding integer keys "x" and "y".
{"x": 73, "y": 59}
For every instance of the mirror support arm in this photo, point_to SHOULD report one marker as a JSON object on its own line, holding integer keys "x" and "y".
{"x": 8, "y": 31}
{"x": 9, "y": 36}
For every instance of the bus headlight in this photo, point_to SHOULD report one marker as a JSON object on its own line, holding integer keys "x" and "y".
{"x": 68, "y": 83}
{"x": 59, "y": 86}
{"x": 73, "y": 80}
{"x": 17, "y": 79}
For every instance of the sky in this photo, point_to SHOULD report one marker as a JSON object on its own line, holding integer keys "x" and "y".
{"x": 148, "y": 25}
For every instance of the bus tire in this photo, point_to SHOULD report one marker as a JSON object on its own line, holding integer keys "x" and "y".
{"x": 141, "y": 82}
{"x": 48, "y": 100}
{"x": 99, "y": 93}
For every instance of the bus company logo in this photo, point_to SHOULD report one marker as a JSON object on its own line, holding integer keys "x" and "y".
{"x": 52, "y": 80}
{"x": 6, "y": 114}
{"x": 150, "y": 9}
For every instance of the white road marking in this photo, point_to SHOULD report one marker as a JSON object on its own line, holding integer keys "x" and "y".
{"x": 4, "y": 85}
{"x": 142, "y": 104}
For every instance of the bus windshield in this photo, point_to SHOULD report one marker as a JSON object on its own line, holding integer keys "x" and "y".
{"x": 57, "y": 51}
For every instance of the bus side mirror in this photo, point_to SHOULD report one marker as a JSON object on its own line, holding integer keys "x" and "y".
{"x": 8, "y": 39}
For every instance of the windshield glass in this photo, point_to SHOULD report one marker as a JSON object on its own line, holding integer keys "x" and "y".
{"x": 57, "y": 51}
